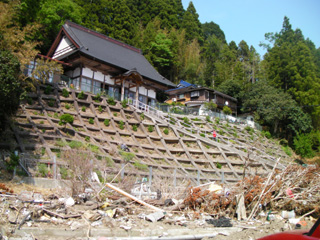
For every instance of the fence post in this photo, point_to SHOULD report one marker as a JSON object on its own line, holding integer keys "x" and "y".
{"x": 122, "y": 171}
{"x": 150, "y": 176}
{"x": 175, "y": 178}
{"x": 54, "y": 167}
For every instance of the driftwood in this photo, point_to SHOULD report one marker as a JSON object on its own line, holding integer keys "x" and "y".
{"x": 133, "y": 197}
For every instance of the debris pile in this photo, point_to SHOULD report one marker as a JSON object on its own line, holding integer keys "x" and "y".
{"x": 282, "y": 196}
{"x": 295, "y": 188}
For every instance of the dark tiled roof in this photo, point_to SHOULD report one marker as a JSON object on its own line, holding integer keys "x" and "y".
{"x": 112, "y": 51}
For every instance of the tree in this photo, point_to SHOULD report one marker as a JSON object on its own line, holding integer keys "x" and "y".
{"x": 191, "y": 24}
{"x": 52, "y": 15}
{"x": 161, "y": 55}
{"x": 45, "y": 68}
{"x": 211, "y": 28}
{"x": 16, "y": 39}
{"x": 121, "y": 24}
{"x": 10, "y": 86}
{"x": 292, "y": 67}
{"x": 275, "y": 109}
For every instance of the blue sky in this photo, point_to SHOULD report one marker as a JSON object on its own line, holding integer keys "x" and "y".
{"x": 249, "y": 20}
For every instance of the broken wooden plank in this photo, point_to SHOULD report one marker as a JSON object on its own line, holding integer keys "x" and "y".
{"x": 132, "y": 197}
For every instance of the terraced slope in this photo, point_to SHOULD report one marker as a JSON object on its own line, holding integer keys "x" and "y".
{"x": 173, "y": 145}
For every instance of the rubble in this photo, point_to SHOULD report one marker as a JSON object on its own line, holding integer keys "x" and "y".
{"x": 210, "y": 206}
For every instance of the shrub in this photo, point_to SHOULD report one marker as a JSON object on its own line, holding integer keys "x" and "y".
{"x": 111, "y": 101}
{"x": 87, "y": 139}
{"x": 106, "y": 122}
{"x": 303, "y": 146}
{"x": 100, "y": 109}
{"x": 66, "y": 118}
{"x": 91, "y": 121}
{"x": 56, "y": 115}
{"x": 287, "y": 150}
{"x": 81, "y": 95}
{"x": 217, "y": 120}
{"x": 75, "y": 144}
{"x": 41, "y": 122}
{"x": 12, "y": 163}
{"x": 65, "y": 93}
{"x": 127, "y": 156}
{"x": 64, "y": 172}
{"x": 124, "y": 103}
{"x": 150, "y": 128}
{"x": 43, "y": 151}
{"x": 115, "y": 114}
{"x": 97, "y": 98}
{"x": 186, "y": 120}
{"x": 121, "y": 125}
{"x": 142, "y": 116}
{"x": 48, "y": 90}
{"x": 166, "y": 131}
{"x": 226, "y": 110}
{"x": 43, "y": 169}
{"x": 83, "y": 109}
{"x": 51, "y": 103}
{"x": 218, "y": 165}
{"x": 140, "y": 166}
{"x": 67, "y": 106}
{"x": 267, "y": 134}
{"x": 172, "y": 121}
{"x": 210, "y": 106}
{"x": 134, "y": 128}
{"x": 208, "y": 119}
{"x": 94, "y": 148}
{"x": 249, "y": 129}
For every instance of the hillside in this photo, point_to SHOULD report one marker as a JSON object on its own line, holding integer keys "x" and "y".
{"x": 173, "y": 145}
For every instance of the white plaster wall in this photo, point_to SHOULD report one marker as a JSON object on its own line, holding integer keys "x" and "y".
{"x": 133, "y": 89}
{"x": 143, "y": 90}
{"x": 151, "y": 93}
{"x": 108, "y": 79}
{"x": 126, "y": 84}
{"x": 98, "y": 76}
{"x": 87, "y": 72}
{"x": 64, "y": 43}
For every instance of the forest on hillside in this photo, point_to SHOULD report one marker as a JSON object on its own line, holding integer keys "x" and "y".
{"x": 282, "y": 89}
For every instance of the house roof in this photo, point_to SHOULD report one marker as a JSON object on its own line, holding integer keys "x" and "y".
{"x": 182, "y": 85}
{"x": 108, "y": 50}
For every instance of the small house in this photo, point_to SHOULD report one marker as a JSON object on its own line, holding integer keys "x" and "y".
{"x": 194, "y": 96}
